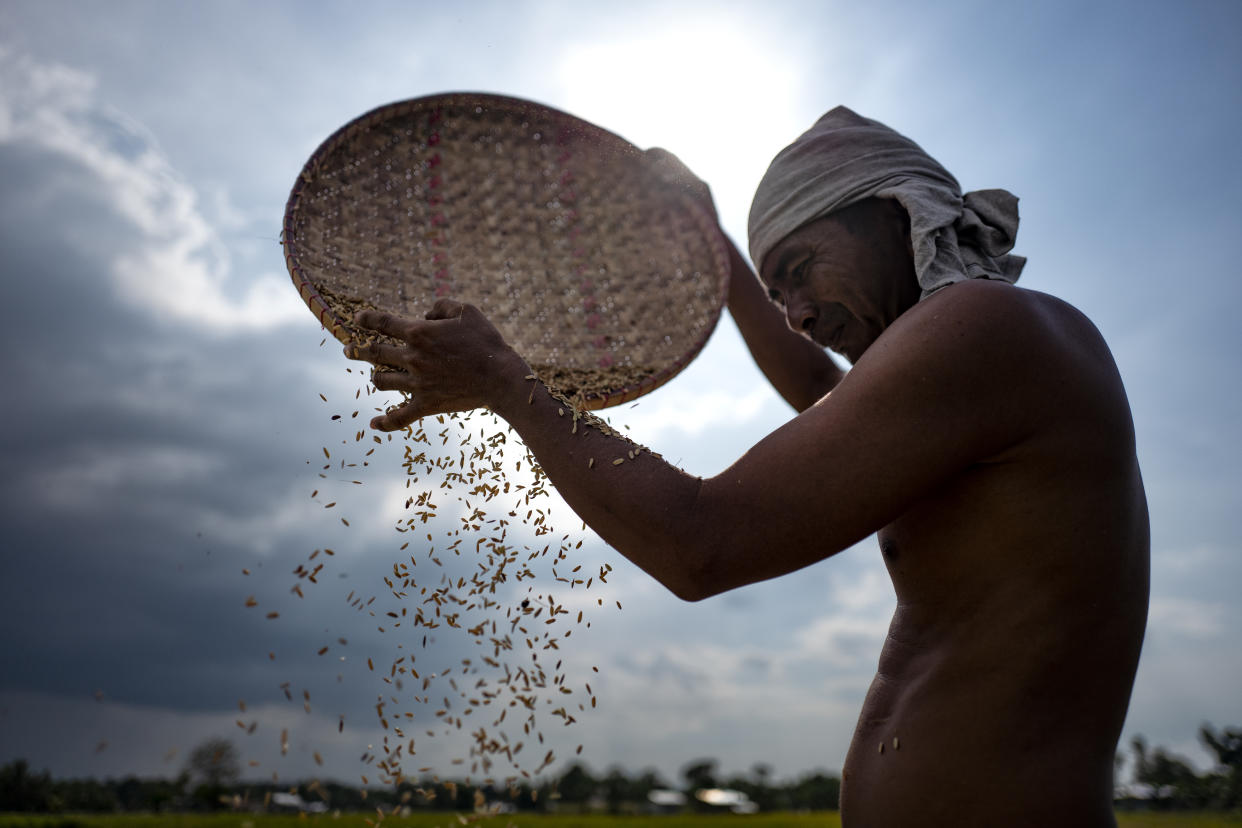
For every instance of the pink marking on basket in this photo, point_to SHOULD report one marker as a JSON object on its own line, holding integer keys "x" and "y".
{"x": 600, "y": 342}
{"x": 436, "y": 115}
{"x": 605, "y": 361}
{"x": 434, "y": 200}
{"x": 593, "y": 321}
{"x": 579, "y": 252}
{"x": 434, "y": 161}
{"x": 438, "y": 220}
{"x": 580, "y": 269}
{"x": 443, "y": 290}
{"x": 433, "y": 139}
{"x": 568, "y": 195}
{"x": 434, "y": 183}
{"x": 438, "y": 257}
{"x": 567, "y": 177}
{"x": 586, "y": 285}
{"x": 588, "y": 303}
{"x": 442, "y": 274}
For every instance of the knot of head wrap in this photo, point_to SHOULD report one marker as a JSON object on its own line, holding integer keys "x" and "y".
{"x": 845, "y": 158}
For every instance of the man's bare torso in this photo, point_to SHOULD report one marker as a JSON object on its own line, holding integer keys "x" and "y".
{"x": 1022, "y": 595}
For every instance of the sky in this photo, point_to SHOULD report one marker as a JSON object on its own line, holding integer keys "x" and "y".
{"x": 162, "y": 419}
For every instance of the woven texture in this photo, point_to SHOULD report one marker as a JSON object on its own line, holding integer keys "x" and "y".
{"x": 606, "y": 277}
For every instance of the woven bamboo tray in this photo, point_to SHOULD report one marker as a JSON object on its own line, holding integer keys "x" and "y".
{"x": 604, "y": 275}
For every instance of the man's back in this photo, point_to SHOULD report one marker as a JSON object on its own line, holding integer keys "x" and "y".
{"x": 1021, "y": 583}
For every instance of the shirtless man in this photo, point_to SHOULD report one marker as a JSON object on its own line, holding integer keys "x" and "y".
{"x": 982, "y": 432}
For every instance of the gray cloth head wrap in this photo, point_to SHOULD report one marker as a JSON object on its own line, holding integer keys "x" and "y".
{"x": 845, "y": 158}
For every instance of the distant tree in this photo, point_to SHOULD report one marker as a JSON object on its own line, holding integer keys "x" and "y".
{"x": 815, "y": 792}
{"x": 215, "y": 764}
{"x": 762, "y": 773}
{"x": 88, "y": 795}
{"x": 21, "y": 790}
{"x": 701, "y": 773}
{"x": 618, "y": 790}
{"x": 646, "y": 782}
{"x": 577, "y": 784}
{"x": 1227, "y": 781}
{"x": 1174, "y": 784}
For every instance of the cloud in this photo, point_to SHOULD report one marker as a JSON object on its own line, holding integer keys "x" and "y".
{"x": 683, "y": 411}
{"x": 96, "y": 737}
{"x": 852, "y": 634}
{"x": 1186, "y": 618}
{"x": 177, "y": 268}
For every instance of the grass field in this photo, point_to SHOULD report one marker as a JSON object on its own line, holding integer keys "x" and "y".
{"x": 824, "y": 819}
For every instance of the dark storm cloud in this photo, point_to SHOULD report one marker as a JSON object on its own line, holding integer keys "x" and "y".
{"x": 135, "y": 448}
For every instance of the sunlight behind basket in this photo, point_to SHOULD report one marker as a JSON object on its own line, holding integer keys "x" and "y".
{"x": 606, "y": 277}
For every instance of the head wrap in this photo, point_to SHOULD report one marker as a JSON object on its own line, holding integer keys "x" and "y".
{"x": 845, "y": 158}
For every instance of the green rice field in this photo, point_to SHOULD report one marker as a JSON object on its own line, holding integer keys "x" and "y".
{"x": 824, "y": 819}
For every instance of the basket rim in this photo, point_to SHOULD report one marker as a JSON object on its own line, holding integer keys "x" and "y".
{"x": 337, "y": 326}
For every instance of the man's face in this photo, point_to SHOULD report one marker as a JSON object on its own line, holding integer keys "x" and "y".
{"x": 843, "y": 279}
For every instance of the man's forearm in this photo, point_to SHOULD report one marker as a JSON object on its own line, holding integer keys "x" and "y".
{"x": 637, "y": 502}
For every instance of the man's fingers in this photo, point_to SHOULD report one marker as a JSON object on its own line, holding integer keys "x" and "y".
{"x": 446, "y": 309}
{"x": 671, "y": 169}
{"x": 397, "y": 418}
{"x": 385, "y": 323}
{"x": 391, "y": 380}
{"x": 379, "y": 353}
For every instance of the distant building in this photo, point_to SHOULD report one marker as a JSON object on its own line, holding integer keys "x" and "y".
{"x": 284, "y": 801}
{"x": 735, "y": 801}
{"x": 662, "y": 801}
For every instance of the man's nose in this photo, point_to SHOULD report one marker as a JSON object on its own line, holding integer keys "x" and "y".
{"x": 801, "y": 316}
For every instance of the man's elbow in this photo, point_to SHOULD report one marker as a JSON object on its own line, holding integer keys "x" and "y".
{"x": 697, "y": 577}
{"x": 689, "y": 592}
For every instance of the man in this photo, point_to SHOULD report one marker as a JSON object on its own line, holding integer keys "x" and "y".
{"x": 982, "y": 431}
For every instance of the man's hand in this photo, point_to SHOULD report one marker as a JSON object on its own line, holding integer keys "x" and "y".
{"x": 670, "y": 168}
{"x": 454, "y": 360}
{"x": 798, "y": 369}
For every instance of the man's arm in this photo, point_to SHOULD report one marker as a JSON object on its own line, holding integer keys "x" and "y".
{"x": 926, "y": 401}
{"x": 798, "y": 369}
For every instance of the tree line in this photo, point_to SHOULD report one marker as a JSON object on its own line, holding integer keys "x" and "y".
{"x": 210, "y": 780}
{"x": 1167, "y": 781}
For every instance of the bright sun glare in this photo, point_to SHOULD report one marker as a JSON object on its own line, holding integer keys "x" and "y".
{"x": 710, "y": 93}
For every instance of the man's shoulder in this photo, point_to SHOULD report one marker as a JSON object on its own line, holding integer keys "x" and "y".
{"x": 996, "y": 344}
{"x": 992, "y": 325}
{"x": 995, "y": 309}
